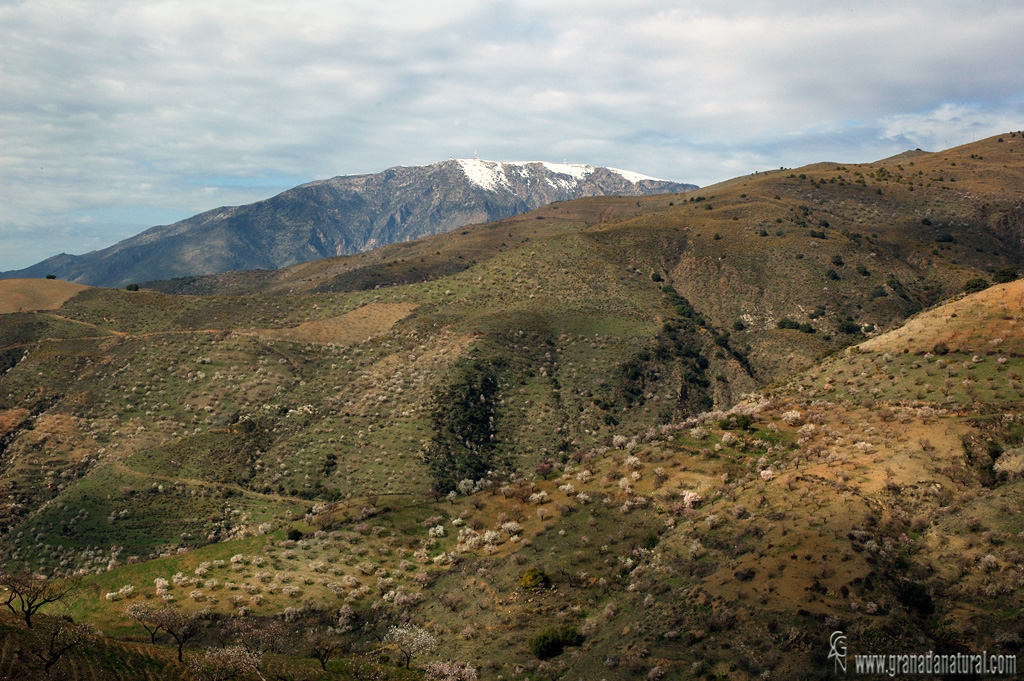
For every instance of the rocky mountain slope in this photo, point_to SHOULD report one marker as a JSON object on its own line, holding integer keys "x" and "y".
{"x": 341, "y": 216}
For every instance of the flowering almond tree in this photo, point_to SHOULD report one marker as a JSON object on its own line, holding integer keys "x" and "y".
{"x": 411, "y": 640}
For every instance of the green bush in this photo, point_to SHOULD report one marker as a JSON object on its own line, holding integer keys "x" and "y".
{"x": 849, "y": 326}
{"x": 551, "y": 642}
{"x": 975, "y": 285}
{"x": 734, "y": 421}
{"x": 1005, "y": 275}
{"x": 534, "y": 578}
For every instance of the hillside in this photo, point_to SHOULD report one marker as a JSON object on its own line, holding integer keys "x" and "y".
{"x": 342, "y": 215}
{"x": 714, "y": 452}
{"x": 31, "y": 295}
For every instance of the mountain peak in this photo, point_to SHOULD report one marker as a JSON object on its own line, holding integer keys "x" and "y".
{"x": 344, "y": 215}
{"x": 493, "y": 175}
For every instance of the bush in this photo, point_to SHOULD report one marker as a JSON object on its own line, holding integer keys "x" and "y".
{"x": 131, "y": 287}
{"x": 832, "y": 274}
{"x": 1005, "y": 275}
{"x": 849, "y": 326}
{"x": 915, "y": 596}
{"x": 51, "y": 276}
{"x": 741, "y": 421}
{"x": 551, "y": 642}
{"x": 975, "y": 285}
{"x": 294, "y": 534}
{"x": 534, "y": 578}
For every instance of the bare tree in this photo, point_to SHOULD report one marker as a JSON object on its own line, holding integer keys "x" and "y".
{"x": 26, "y": 593}
{"x": 181, "y": 626}
{"x": 323, "y": 643}
{"x": 147, "y": 616}
{"x": 56, "y": 636}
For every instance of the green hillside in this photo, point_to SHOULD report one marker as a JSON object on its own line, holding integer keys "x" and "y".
{"x": 673, "y": 437}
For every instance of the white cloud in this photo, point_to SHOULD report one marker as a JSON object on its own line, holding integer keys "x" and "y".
{"x": 119, "y": 108}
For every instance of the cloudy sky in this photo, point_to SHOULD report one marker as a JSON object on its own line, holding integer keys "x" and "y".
{"x": 116, "y": 115}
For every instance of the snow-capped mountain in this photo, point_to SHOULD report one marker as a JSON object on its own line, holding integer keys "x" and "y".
{"x": 344, "y": 215}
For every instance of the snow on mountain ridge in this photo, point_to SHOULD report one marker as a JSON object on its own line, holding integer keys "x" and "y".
{"x": 491, "y": 175}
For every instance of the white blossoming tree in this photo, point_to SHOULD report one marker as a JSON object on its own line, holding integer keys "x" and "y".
{"x": 411, "y": 641}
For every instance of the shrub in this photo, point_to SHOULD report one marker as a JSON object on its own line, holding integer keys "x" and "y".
{"x": 1005, "y": 275}
{"x": 51, "y": 276}
{"x": 832, "y": 274}
{"x": 975, "y": 285}
{"x": 551, "y": 642}
{"x": 915, "y": 596}
{"x": 740, "y": 421}
{"x": 534, "y": 578}
{"x": 849, "y": 326}
{"x": 294, "y": 534}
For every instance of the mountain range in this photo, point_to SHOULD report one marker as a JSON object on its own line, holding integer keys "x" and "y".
{"x": 341, "y": 216}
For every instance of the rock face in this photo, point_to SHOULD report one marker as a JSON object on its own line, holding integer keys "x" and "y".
{"x": 341, "y": 216}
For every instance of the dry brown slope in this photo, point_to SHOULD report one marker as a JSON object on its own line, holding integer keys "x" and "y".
{"x": 30, "y": 295}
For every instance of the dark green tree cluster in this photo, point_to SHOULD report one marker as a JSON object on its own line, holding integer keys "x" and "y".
{"x": 464, "y": 441}
{"x": 550, "y": 643}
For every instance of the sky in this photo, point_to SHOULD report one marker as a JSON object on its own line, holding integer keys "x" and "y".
{"x": 117, "y": 115}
